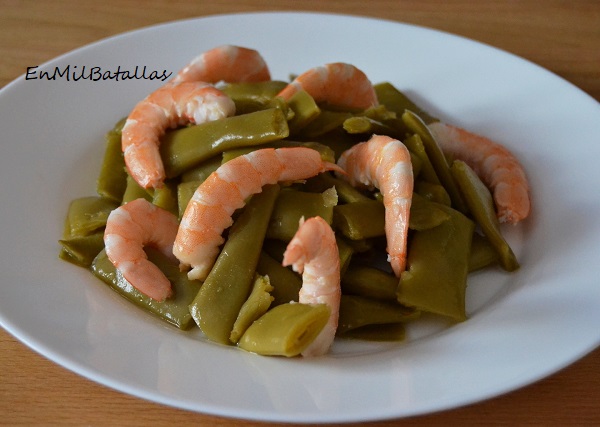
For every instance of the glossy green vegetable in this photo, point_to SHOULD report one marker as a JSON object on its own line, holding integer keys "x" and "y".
{"x": 81, "y": 250}
{"x": 438, "y": 263}
{"x": 325, "y": 122}
{"x": 252, "y": 96}
{"x": 357, "y": 311}
{"x": 425, "y": 214}
{"x": 87, "y": 215}
{"x": 432, "y": 192}
{"x": 346, "y": 192}
{"x": 427, "y": 173}
{"x": 112, "y": 179}
{"x": 438, "y": 160}
{"x": 166, "y": 198}
{"x": 185, "y": 192}
{"x": 360, "y": 220}
{"x": 255, "y": 306}
{"x": 482, "y": 254}
{"x": 368, "y": 126}
{"x": 227, "y": 286}
{"x": 398, "y": 102}
{"x": 305, "y": 111}
{"x": 286, "y": 284}
{"x": 134, "y": 191}
{"x": 370, "y": 282}
{"x": 291, "y": 205}
{"x": 185, "y": 148}
{"x": 285, "y": 330}
{"x": 203, "y": 170}
{"x": 481, "y": 205}
{"x": 174, "y": 309}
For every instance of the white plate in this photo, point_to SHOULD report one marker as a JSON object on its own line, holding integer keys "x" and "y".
{"x": 523, "y": 326}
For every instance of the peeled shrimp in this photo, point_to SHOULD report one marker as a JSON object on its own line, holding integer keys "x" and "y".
{"x": 497, "y": 167}
{"x": 209, "y": 211}
{"x": 226, "y": 63}
{"x": 313, "y": 252}
{"x": 384, "y": 162}
{"x": 129, "y": 228}
{"x": 338, "y": 84}
{"x": 172, "y": 105}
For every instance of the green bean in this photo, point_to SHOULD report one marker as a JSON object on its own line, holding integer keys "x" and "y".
{"x": 135, "y": 191}
{"x": 286, "y": 284}
{"x": 380, "y": 333}
{"x": 292, "y": 205}
{"x": 432, "y": 192}
{"x": 286, "y": 330}
{"x": 255, "y": 306}
{"x": 481, "y": 206}
{"x": 482, "y": 253}
{"x": 203, "y": 170}
{"x": 112, "y": 179}
{"x": 425, "y": 214}
{"x": 357, "y": 311}
{"x": 87, "y": 215}
{"x": 415, "y": 145}
{"x": 326, "y": 121}
{"x": 185, "y": 192}
{"x": 398, "y": 102}
{"x": 346, "y": 251}
{"x": 438, "y": 160}
{"x": 173, "y": 310}
{"x": 185, "y": 148}
{"x": 228, "y": 284}
{"x": 252, "y": 96}
{"x": 346, "y": 192}
{"x": 305, "y": 111}
{"x": 366, "y": 125}
{"x": 438, "y": 262}
{"x": 166, "y": 198}
{"x": 360, "y": 220}
{"x": 81, "y": 250}
{"x": 370, "y": 282}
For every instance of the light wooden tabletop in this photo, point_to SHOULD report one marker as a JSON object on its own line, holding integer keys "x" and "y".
{"x": 561, "y": 36}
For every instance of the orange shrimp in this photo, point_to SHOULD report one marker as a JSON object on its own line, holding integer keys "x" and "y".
{"x": 339, "y": 84}
{"x": 128, "y": 229}
{"x": 384, "y": 162}
{"x": 497, "y": 167}
{"x": 209, "y": 211}
{"x": 226, "y": 63}
{"x": 313, "y": 252}
{"x": 172, "y": 105}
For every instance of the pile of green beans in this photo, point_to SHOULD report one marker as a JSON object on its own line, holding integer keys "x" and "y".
{"x": 249, "y": 298}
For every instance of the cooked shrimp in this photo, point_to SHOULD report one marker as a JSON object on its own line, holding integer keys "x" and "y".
{"x": 209, "y": 211}
{"x": 226, "y": 63}
{"x": 497, "y": 167}
{"x": 313, "y": 252}
{"x": 384, "y": 162}
{"x": 338, "y": 84}
{"x": 172, "y": 105}
{"x": 129, "y": 228}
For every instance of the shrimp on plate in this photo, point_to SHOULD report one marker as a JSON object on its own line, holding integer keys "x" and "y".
{"x": 313, "y": 252}
{"x": 129, "y": 228}
{"x": 384, "y": 163}
{"x": 172, "y": 105}
{"x": 226, "y": 63}
{"x": 209, "y": 211}
{"x": 338, "y": 84}
{"x": 497, "y": 167}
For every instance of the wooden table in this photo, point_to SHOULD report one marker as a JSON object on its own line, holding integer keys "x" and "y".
{"x": 562, "y": 36}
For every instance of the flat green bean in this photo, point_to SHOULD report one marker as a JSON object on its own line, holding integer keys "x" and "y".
{"x": 370, "y": 282}
{"x": 255, "y": 306}
{"x": 252, "y": 96}
{"x": 228, "y": 284}
{"x": 286, "y": 330}
{"x": 357, "y": 311}
{"x": 112, "y": 179}
{"x": 185, "y": 148}
{"x": 286, "y": 284}
{"x": 87, "y": 215}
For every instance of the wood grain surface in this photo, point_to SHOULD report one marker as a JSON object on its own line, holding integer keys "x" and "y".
{"x": 562, "y": 36}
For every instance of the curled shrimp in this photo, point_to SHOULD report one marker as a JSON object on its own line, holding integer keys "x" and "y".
{"x": 384, "y": 162}
{"x": 209, "y": 211}
{"x": 226, "y": 63}
{"x": 172, "y": 105}
{"x": 497, "y": 167}
{"x": 338, "y": 84}
{"x": 129, "y": 228}
{"x": 313, "y": 252}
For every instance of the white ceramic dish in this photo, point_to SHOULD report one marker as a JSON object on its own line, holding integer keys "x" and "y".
{"x": 523, "y": 326}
